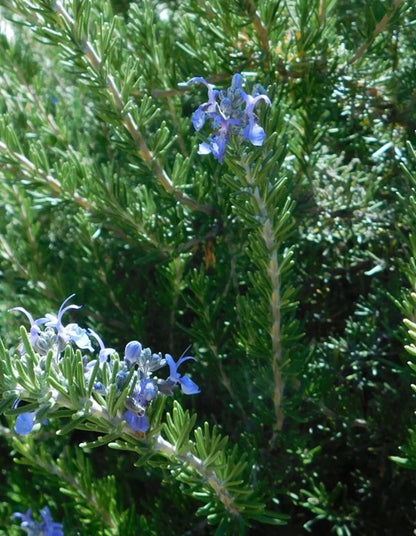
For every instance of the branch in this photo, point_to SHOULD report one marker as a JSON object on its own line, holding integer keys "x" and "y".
{"x": 198, "y": 465}
{"x": 129, "y": 123}
{"x": 163, "y": 446}
{"x": 273, "y": 271}
{"x": 29, "y": 170}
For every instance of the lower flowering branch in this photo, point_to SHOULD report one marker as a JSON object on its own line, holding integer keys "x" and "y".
{"x": 64, "y": 369}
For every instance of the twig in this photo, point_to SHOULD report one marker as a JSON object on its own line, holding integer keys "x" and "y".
{"x": 381, "y": 26}
{"x": 159, "y": 444}
{"x": 259, "y": 27}
{"x": 29, "y": 169}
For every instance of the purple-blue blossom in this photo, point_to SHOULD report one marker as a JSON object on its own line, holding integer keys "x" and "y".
{"x": 232, "y": 113}
{"x": 253, "y": 132}
{"x": 105, "y": 352}
{"x": 55, "y": 336}
{"x": 148, "y": 388}
{"x": 188, "y": 386}
{"x": 143, "y": 359}
{"x": 35, "y": 330}
{"x": 47, "y": 527}
{"x": 132, "y": 352}
{"x": 71, "y": 332}
{"x": 138, "y": 403}
{"x": 25, "y": 421}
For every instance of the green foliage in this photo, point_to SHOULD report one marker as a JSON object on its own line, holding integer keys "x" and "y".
{"x": 288, "y": 267}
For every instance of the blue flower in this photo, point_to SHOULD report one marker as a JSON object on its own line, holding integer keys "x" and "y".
{"x": 132, "y": 352}
{"x": 187, "y": 385}
{"x": 206, "y": 109}
{"x": 138, "y": 403}
{"x": 71, "y": 332}
{"x": 25, "y": 423}
{"x": 217, "y": 144}
{"x": 47, "y": 527}
{"x": 35, "y": 330}
{"x": 228, "y": 117}
{"x": 253, "y": 132}
{"x": 105, "y": 353}
{"x": 144, "y": 359}
{"x": 139, "y": 423}
{"x": 56, "y": 336}
{"x": 103, "y": 357}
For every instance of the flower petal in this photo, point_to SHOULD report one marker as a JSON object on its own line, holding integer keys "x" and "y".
{"x": 25, "y": 517}
{"x": 188, "y": 386}
{"x": 132, "y": 352}
{"x": 148, "y": 391}
{"x": 139, "y": 423}
{"x": 24, "y": 423}
{"x": 198, "y": 80}
{"x": 198, "y": 119}
{"x": 173, "y": 367}
{"x": 254, "y": 133}
{"x": 237, "y": 81}
{"x": 204, "y": 148}
{"x": 79, "y": 335}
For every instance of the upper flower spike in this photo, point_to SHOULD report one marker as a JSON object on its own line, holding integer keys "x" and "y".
{"x": 226, "y": 111}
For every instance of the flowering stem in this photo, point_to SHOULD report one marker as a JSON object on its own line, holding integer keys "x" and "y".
{"x": 275, "y": 302}
{"x": 275, "y": 305}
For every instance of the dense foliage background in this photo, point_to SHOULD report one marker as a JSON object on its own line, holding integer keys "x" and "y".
{"x": 291, "y": 263}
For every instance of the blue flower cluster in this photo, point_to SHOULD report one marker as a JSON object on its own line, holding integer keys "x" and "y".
{"x": 231, "y": 112}
{"x": 49, "y": 334}
{"x": 47, "y": 527}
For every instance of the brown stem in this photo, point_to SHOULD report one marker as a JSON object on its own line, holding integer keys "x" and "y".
{"x": 381, "y": 26}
